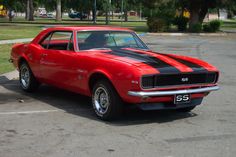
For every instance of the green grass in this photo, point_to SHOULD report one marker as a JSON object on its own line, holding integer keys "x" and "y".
{"x": 20, "y": 28}
{"x": 17, "y": 32}
{"x": 5, "y": 66}
{"x": 229, "y": 24}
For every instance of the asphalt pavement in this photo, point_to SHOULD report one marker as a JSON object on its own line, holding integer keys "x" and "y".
{"x": 56, "y": 123}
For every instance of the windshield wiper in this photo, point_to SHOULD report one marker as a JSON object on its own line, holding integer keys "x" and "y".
{"x": 100, "y": 49}
{"x": 138, "y": 48}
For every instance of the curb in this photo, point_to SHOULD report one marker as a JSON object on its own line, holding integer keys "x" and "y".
{"x": 188, "y": 34}
{"x": 8, "y": 76}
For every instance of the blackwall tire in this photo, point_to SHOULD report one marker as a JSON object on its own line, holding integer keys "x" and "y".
{"x": 107, "y": 104}
{"x": 27, "y": 80}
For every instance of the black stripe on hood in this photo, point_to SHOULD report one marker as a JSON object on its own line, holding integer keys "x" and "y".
{"x": 195, "y": 67}
{"x": 156, "y": 63}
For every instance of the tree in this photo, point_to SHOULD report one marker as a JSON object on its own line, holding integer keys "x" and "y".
{"x": 9, "y": 4}
{"x": 58, "y": 10}
{"x": 230, "y": 6}
{"x": 51, "y": 5}
{"x": 30, "y": 10}
{"x": 83, "y": 6}
{"x": 199, "y": 8}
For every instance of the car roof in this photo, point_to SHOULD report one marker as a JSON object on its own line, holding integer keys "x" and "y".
{"x": 89, "y": 28}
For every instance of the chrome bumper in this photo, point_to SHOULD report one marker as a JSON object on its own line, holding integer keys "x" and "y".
{"x": 172, "y": 92}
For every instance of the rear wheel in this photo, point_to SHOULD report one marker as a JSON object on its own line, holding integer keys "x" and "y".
{"x": 186, "y": 109}
{"x": 107, "y": 104}
{"x": 27, "y": 80}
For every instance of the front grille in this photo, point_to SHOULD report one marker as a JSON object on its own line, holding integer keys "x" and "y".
{"x": 178, "y": 79}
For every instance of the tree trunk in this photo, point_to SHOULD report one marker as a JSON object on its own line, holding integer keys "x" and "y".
{"x": 112, "y": 14}
{"x": 107, "y": 18}
{"x": 94, "y": 12}
{"x": 203, "y": 13}
{"x": 10, "y": 15}
{"x": 194, "y": 17}
{"x": 107, "y": 13}
{"x": 27, "y": 10}
{"x": 81, "y": 15}
{"x": 26, "y": 13}
{"x": 58, "y": 11}
{"x": 31, "y": 11}
{"x": 126, "y": 15}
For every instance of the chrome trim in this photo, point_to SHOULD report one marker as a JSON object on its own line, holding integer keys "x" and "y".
{"x": 166, "y": 86}
{"x": 172, "y": 92}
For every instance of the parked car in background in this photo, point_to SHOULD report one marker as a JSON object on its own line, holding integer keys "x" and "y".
{"x": 50, "y": 15}
{"x": 115, "y": 68}
{"x": 43, "y": 16}
{"x": 78, "y": 15}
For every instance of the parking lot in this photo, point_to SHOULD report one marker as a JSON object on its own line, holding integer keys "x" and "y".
{"x": 56, "y": 123}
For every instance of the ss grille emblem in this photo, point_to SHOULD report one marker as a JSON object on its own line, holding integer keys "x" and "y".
{"x": 184, "y": 79}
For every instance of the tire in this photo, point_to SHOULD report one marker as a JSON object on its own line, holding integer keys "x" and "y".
{"x": 27, "y": 80}
{"x": 107, "y": 104}
{"x": 186, "y": 109}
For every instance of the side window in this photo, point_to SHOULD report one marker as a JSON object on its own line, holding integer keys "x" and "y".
{"x": 46, "y": 41}
{"x": 59, "y": 41}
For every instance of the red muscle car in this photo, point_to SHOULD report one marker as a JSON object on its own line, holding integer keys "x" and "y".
{"x": 114, "y": 67}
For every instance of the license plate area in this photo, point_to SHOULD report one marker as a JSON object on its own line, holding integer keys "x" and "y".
{"x": 182, "y": 98}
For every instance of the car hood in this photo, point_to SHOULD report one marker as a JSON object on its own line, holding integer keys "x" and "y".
{"x": 158, "y": 62}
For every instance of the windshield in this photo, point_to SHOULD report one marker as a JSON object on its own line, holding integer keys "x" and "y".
{"x": 108, "y": 39}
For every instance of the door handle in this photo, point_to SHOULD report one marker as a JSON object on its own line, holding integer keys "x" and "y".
{"x": 43, "y": 55}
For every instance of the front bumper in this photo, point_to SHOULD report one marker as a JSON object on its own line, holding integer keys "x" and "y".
{"x": 172, "y": 92}
{"x": 168, "y": 105}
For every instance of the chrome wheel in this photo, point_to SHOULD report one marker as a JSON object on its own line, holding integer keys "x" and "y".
{"x": 101, "y": 100}
{"x": 25, "y": 76}
{"x": 106, "y": 101}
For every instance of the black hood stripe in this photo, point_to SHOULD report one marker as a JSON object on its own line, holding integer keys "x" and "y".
{"x": 195, "y": 67}
{"x": 156, "y": 63}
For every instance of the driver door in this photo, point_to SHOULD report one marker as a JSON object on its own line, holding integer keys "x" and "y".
{"x": 58, "y": 59}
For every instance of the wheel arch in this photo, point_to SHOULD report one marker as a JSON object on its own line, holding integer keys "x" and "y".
{"x": 21, "y": 60}
{"x": 96, "y": 76}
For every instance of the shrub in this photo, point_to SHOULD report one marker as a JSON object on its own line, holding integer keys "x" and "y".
{"x": 212, "y": 26}
{"x": 156, "y": 25}
{"x": 181, "y": 23}
{"x": 207, "y": 28}
{"x": 215, "y": 25}
{"x": 196, "y": 28}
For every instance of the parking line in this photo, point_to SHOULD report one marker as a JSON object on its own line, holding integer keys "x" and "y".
{"x": 28, "y": 112}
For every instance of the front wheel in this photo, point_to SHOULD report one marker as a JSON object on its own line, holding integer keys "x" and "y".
{"x": 27, "y": 80}
{"x": 107, "y": 104}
